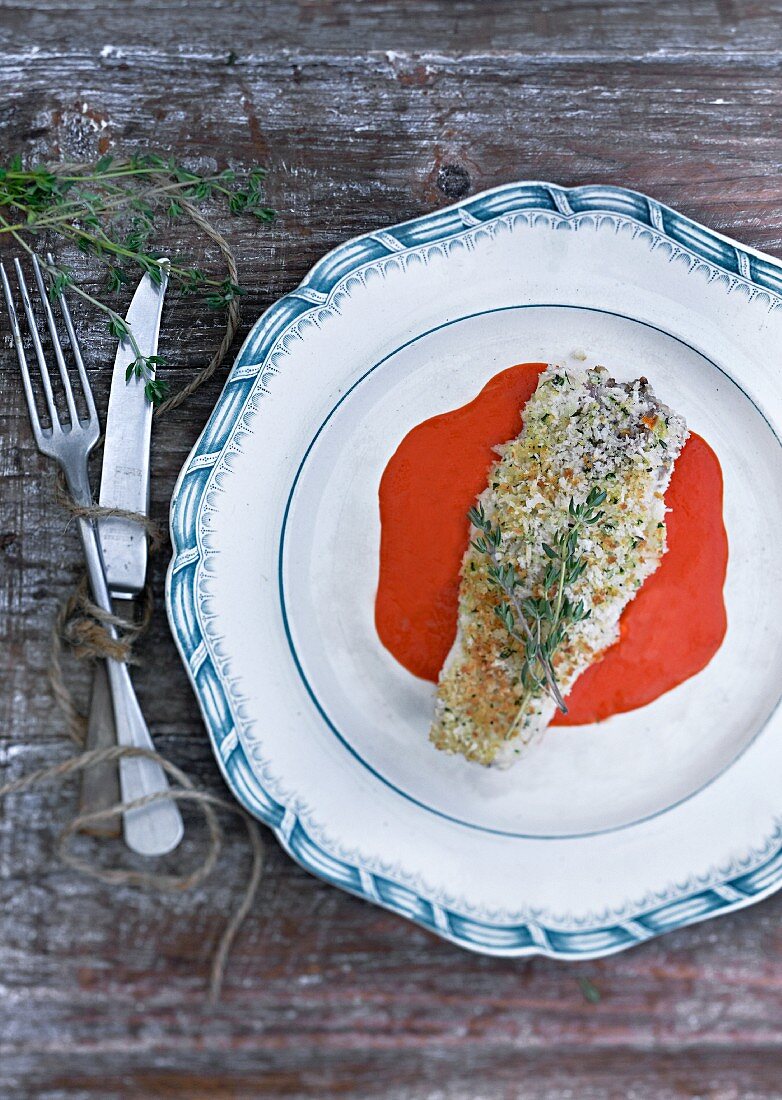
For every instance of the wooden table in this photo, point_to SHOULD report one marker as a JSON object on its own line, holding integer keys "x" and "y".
{"x": 365, "y": 114}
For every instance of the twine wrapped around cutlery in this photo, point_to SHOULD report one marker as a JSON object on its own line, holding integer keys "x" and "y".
{"x": 80, "y": 625}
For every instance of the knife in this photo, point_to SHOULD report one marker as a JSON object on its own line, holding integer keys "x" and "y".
{"x": 125, "y": 485}
{"x": 124, "y": 481}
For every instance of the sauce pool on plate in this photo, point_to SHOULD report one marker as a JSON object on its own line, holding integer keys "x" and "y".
{"x": 670, "y": 631}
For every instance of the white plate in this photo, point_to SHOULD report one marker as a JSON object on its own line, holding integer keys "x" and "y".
{"x": 604, "y": 835}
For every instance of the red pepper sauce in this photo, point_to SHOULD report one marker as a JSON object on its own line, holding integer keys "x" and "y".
{"x": 670, "y": 631}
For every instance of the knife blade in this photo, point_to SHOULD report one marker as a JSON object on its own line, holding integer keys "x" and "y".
{"x": 125, "y": 472}
{"x": 124, "y": 484}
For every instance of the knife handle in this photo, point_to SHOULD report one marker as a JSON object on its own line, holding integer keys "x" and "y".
{"x": 100, "y": 784}
{"x": 157, "y": 828}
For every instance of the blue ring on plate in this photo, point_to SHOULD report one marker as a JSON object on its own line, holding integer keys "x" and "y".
{"x": 297, "y": 660}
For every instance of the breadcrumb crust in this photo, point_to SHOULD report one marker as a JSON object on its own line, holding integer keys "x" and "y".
{"x": 582, "y": 429}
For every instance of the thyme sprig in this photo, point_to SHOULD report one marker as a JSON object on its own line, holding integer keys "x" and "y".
{"x": 539, "y": 625}
{"x": 109, "y": 210}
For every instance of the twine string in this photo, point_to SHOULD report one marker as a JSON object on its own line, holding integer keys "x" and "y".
{"x": 115, "y": 876}
{"x": 231, "y": 320}
{"x": 81, "y": 626}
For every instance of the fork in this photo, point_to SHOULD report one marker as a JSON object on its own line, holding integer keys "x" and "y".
{"x": 156, "y": 828}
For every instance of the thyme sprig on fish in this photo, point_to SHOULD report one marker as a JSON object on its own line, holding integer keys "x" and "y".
{"x": 540, "y": 625}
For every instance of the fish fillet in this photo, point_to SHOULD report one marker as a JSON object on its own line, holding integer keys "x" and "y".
{"x": 583, "y": 431}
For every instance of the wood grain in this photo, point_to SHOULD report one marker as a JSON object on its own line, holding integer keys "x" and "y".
{"x": 365, "y": 114}
{"x": 309, "y": 27}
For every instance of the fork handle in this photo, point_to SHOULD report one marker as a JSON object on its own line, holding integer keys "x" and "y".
{"x": 149, "y": 830}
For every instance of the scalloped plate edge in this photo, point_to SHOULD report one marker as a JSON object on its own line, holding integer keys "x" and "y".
{"x": 692, "y": 903}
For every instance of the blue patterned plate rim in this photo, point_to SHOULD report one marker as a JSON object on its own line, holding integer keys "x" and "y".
{"x": 693, "y": 901}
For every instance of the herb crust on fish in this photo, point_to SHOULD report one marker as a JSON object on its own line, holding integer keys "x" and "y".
{"x": 571, "y": 524}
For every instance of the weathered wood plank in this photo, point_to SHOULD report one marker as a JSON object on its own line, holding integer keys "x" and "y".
{"x": 430, "y": 1074}
{"x": 102, "y": 992}
{"x": 328, "y": 26}
{"x": 696, "y": 133}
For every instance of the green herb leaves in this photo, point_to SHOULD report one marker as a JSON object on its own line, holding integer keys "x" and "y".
{"x": 539, "y": 625}
{"x": 223, "y": 294}
{"x": 144, "y": 366}
{"x": 109, "y": 210}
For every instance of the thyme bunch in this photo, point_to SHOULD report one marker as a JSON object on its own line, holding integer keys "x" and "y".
{"x": 110, "y": 211}
{"x": 539, "y": 625}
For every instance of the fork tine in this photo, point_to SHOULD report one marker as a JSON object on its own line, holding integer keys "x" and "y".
{"x": 64, "y": 376}
{"x": 84, "y": 378}
{"x": 28, "y": 309}
{"x": 35, "y": 419}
